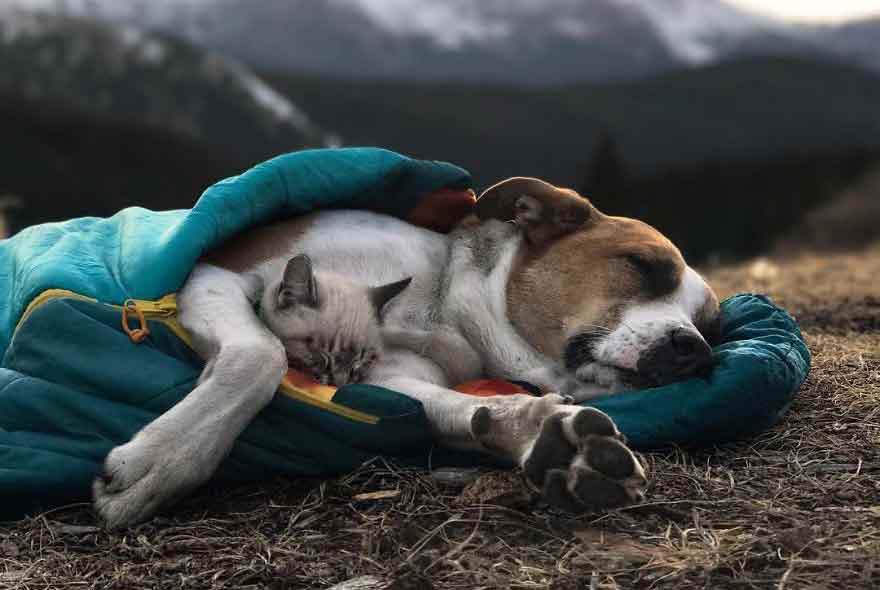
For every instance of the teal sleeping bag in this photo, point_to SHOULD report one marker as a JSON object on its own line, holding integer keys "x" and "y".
{"x": 73, "y": 385}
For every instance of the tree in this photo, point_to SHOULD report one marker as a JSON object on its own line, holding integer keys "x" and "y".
{"x": 606, "y": 173}
{"x": 7, "y": 202}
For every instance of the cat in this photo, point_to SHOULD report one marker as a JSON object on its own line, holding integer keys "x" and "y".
{"x": 330, "y": 326}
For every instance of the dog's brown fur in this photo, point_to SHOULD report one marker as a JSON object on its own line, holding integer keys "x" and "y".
{"x": 258, "y": 245}
{"x": 629, "y": 260}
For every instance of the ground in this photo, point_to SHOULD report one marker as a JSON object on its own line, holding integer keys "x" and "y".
{"x": 798, "y": 507}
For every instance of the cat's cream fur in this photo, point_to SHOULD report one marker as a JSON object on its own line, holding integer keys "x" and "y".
{"x": 330, "y": 326}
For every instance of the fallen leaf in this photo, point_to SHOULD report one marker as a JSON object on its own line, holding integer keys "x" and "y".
{"x": 381, "y": 495}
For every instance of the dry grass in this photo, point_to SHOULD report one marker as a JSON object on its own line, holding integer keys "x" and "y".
{"x": 797, "y": 508}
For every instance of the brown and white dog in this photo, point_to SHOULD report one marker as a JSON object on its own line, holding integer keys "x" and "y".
{"x": 537, "y": 285}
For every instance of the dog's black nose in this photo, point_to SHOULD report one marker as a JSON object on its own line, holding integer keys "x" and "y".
{"x": 682, "y": 354}
{"x": 690, "y": 348}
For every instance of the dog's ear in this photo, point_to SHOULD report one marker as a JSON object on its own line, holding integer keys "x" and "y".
{"x": 298, "y": 286}
{"x": 542, "y": 210}
{"x": 381, "y": 295}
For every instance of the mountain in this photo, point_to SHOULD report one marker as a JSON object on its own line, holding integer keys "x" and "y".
{"x": 749, "y": 108}
{"x": 753, "y": 142}
{"x": 859, "y": 40}
{"x": 123, "y": 73}
{"x": 524, "y": 42}
{"x": 63, "y": 163}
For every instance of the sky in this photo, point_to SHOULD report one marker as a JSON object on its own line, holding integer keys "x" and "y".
{"x": 813, "y": 10}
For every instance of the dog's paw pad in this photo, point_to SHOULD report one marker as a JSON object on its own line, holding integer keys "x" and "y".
{"x": 579, "y": 462}
{"x": 591, "y": 421}
{"x": 551, "y": 451}
{"x": 557, "y": 494}
{"x": 596, "y": 492}
{"x": 481, "y": 422}
{"x": 611, "y": 458}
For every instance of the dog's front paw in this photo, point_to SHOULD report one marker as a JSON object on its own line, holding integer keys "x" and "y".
{"x": 602, "y": 377}
{"x": 141, "y": 476}
{"x": 580, "y": 462}
{"x": 559, "y": 381}
{"x": 574, "y": 455}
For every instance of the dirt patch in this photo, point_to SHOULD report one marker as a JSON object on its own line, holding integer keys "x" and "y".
{"x": 797, "y": 508}
{"x": 839, "y": 293}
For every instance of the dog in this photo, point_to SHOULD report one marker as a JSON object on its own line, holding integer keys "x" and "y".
{"x": 535, "y": 285}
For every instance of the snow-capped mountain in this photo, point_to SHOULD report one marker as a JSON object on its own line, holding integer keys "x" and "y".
{"x": 522, "y": 41}
{"x": 689, "y": 29}
{"x": 126, "y": 74}
{"x": 860, "y": 40}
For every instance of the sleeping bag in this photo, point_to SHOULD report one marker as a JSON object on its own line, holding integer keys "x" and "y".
{"x": 91, "y": 350}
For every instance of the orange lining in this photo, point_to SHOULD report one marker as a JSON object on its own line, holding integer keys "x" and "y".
{"x": 443, "y": 209}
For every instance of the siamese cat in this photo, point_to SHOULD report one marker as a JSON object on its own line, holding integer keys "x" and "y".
{"x": 330, "y": 326}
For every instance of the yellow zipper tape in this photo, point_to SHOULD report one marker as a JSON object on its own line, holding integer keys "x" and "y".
{"x": 164, "y": 311}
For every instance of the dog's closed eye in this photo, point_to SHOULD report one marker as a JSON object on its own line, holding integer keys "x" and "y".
{"x": 659, "y": 275}
{"x": 579, "y": 349}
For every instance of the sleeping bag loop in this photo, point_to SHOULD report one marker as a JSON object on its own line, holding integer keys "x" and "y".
{"x": 137, "y": 335}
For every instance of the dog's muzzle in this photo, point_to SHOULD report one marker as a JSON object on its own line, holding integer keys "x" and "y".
{"x": 683, "y": 353}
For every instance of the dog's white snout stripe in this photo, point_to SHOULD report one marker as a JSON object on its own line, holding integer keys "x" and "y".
{"x": 645, "y": 326}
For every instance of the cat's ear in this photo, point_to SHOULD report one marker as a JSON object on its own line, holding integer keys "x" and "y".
{"x": 298, "y": 286}
{"x": 382, "y": 294}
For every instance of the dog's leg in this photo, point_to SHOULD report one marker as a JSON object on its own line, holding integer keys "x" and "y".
{"x": 476, "y": 303}
{"x": 574, "y": 455}
{"x": 181, "y": 449}
{"x": 507, "y": 355}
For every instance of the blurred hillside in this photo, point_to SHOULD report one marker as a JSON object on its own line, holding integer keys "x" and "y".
{"x": 125, "y": 74}
{"x": 96, "y": 118}
{"x": 747, "y": 109}
{"x": 64, "y": 163}
{"x": 754, "y": 142}
{"x": 848, "y": 221}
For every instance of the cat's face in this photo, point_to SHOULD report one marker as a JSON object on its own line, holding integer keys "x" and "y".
{"x": 330, "y": 326}
{"x": 330, "y": 354}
